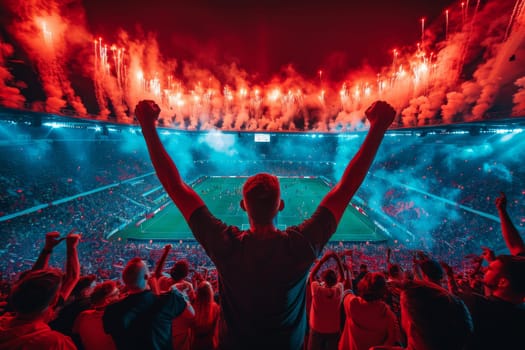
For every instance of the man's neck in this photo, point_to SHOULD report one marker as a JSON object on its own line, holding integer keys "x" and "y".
{"x": 262, "y": 229}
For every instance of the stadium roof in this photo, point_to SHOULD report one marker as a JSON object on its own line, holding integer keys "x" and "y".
{"x": 37, "y": 119}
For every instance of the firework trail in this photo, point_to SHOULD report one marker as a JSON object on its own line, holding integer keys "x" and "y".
{"x": 41, "y": 29}
{"x": 516, "y": 16}
{"x": 428, "y": 83}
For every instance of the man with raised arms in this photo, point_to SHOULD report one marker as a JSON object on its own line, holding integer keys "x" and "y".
{"x": 263, "y": 271}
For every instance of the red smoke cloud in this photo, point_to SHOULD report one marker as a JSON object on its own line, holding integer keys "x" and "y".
{"x": 428, "y": 84}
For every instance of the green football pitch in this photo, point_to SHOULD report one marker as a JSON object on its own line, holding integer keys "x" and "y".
{"x": 222, "y": 196}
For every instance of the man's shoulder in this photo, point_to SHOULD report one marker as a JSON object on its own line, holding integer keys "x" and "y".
{"x": 143, "y": 298}
{"x": 173, "y": 292}
{"x": 314, "y": 286}
{"x": 326, "y": 291}
{"x": 203, "y": 215}
{"x": 505, "y": 306}
{"x": 340, "y": 288}
{"x": 53, "y": 338}
{"x": 91, "y": 313}
{"x": 322, "y": 214}
{"x": 173, "y": 300}
{"x": 36, "y": 335}
{"x": 320, "y": 218}
{"x": 317, "y": 229}
{"x": 202, "y": 221}
{"x": 349, "y": 297}
{"x": 482, "y": 305}
{"x": 181, "y": 285}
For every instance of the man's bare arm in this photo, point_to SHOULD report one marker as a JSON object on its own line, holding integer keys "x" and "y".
{"x": 162, "y": 261}
{"x": 52, "y": 240}
{"x": 317, "y": 267}
{"x": 510, "y": 233}
{"x": 347, "y": 266}
{"x": 342, "y": 276}
{"x": 72, "y": 265}
{"x": 451, "y": 279}
{"x": 380, "y": 115}
{"x": 184, "y": 197}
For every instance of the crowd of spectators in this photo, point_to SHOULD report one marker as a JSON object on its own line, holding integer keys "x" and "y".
{"x": 31, "y": 180}
{"x": 381, "y": 279}
{"x": 101, "y": 212}
{"x": 366, "y": 295}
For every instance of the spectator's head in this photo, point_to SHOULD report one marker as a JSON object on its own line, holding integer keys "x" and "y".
{"x": 135, "y": 274}
{"x": 36, "y": 293}
{"x": 475, "y": 284}
{"x": 432, "y": 318}
{"x": 372, "y": 286}
{"x": 409, "y": 275}
{"x": 83, "y": 286}
{"x": 363, "y": 268}
{"x": 262, "y": 198}
{"x": 329, "y": 277}
{"x": 180, "y": 270}
{"x": 394, "y": 271}
{"x": 104, "y": 293}
{"x": 203, "y": 304}
{"x": 505, "y": 277}
{"x": 204, "y": 293}
{"x": 432, "y": 271}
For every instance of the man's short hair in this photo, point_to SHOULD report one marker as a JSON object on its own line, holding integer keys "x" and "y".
{"x": 394, "y": 270}
{"x": 134, "y": 273}
{"x": 102, "y": 291}
{"x": 180, "y": 270}
{"x": 372, "y": 286}
{"x": 513, "y": 269}
{"x": 432, "y": 269}
{"x": 261, "y": 193}
{"x": 36, "y": 291}
{"x": 329, "y": 277}
{"x": 439, "y": 319}
{"x": 83, "y": 283}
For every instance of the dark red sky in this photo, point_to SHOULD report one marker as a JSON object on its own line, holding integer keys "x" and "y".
{"x": 336, "y": 36}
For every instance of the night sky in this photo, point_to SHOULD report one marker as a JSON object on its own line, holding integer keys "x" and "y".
{"x": 335, "y": 36}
